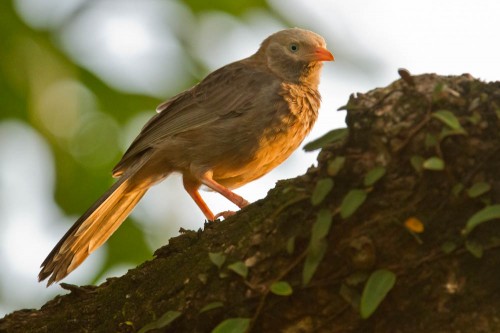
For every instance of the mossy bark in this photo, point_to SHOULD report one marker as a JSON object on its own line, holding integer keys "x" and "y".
{"x": 440, "y": 287}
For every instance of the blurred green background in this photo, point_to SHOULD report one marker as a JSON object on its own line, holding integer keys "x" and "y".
{"x": 79, "y": 78}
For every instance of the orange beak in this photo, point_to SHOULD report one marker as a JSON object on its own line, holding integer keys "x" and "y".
{"x": 322, "y": 54}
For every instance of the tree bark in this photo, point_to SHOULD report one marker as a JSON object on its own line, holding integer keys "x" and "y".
{"x": 414, "y": 222}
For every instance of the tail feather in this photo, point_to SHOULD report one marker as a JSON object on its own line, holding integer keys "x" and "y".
{"x": 91, "y": 230}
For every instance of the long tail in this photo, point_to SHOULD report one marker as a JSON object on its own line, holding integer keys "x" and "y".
{"x": 91, "y": 230}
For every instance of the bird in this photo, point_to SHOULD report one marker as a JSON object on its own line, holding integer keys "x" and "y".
{"x": 234, "y": 126}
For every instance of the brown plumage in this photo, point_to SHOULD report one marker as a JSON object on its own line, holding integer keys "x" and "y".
{"x": 233, "y": 127}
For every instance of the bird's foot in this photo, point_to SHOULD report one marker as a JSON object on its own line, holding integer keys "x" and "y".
{"x": 225, "y": 214}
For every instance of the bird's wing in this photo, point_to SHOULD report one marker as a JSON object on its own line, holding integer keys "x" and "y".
{"x": 227, "y": 92}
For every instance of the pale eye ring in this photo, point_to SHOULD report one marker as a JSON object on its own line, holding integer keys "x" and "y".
{"x": 293, "y": 47}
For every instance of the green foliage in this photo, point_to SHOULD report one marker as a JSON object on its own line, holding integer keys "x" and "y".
{"x": 350, "y": 295}
{"x": 233, "y": 325}
{"x": 323, "y": 187}
{"x": 317, "y": 245}
{"x": 281, "y": 288}
{"x": 374, "y": 175}
{"x": 330, "y": 137}
{"x": 478, "y": 189}
{"x": 161, "y": 322}
{"x": 217, "y": 258}
{"x": 446, "y": 132}
{"x": 315, "y": 254}
{"x": 448, "y": 247}
{"x": 239, "y": 268}
{"x": 321, "y": 227}
{"x": 335, "y": 165}
{"x": 417, "y": 162}
{"x": 433, "y": 163}
{"x": 352, "y": 201}
{"x": 484, "y": 215}
{"x": 431, "y": 140}
{"x": 211, "y": 306}
{"x": 376, "y": 289}
{"x": 474, "y": 248}
{"x": 449, "y": 119}
{"x": 457, "y": 189}
{"x": 229, "y": 6}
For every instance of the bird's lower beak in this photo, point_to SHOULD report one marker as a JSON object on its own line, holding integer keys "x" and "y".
{"x": 322, "y": 54}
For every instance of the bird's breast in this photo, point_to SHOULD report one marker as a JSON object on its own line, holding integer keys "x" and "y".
{"x": 283, "y": 134}
{"x": 290, "y": 126}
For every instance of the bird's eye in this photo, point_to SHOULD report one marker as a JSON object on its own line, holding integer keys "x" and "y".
{"x": 294, "y": 47}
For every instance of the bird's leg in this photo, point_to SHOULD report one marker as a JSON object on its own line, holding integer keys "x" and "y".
{"x": 225, "y": 214}
{"x": 207, "y": 180}
{"x": 191, "y": 187}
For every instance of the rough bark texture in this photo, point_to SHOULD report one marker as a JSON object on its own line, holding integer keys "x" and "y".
{"x": 440, "y": 286}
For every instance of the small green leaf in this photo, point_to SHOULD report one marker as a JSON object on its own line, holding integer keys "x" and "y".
{"x": 335, "y": 165}
{"x": 317, "y": 245}
{"x": 217, "y": 258}
{"x": 281, "y": 288}
{"x": 478, "y": 189}
{"x": 350, "y": 295}
{"x": 290, "y": 245}
{"x": 321, "y": 226}
{"x": 433, "y": 163}
{"x": 161, "y": 322}
{"x": 211, "y": 306}
{"x": 417, "y": 162}
{"x": 475, "y": 118}
{"x": 474, "y": 248}
{"x": 356, "y": 278}
{"x": 239, "y": 268}
{"x": 332, "y": 136}
{"x": 448, "y": 247}
{"x": 438, "y": 89}
{"x": 233, "y": 325}
{"x": 351, "y": 202}
{"x": 203, "y": 278}
{"x": 376, "y": 288}
{"x": 374, "y": 175}
{"x": 430, "y": 140}
{"x": 448, "y": 118}
{"x": 446, "y": 132}
{"x": 486, "y": 214}
{"x": 457, "y": 189}
{"x": 321, "y": 190}
{"x": 315, "y": 254}
{"x": 476, "y": 102}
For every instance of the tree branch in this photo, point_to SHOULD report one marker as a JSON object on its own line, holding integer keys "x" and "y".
{"x": 406, "y": 130}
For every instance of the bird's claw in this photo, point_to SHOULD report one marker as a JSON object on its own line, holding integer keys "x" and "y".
{"x": 225, "y": 214}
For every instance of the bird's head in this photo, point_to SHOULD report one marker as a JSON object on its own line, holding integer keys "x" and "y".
{"x": 295, "y": 55}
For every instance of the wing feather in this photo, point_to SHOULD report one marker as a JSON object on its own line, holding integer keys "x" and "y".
{"x": 230, "y": 90}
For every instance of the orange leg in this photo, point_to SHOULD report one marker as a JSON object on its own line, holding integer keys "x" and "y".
{"x": 191, "y": 187}
{"x": 207, "y": 180}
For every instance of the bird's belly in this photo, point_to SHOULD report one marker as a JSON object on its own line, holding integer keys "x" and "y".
{"x": 272, "y": 151}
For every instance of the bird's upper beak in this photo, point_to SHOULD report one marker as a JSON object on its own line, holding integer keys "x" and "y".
{"x": 322, "y": 54}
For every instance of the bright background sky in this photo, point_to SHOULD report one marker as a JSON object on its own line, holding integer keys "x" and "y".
{"x": 131, "y": 46}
